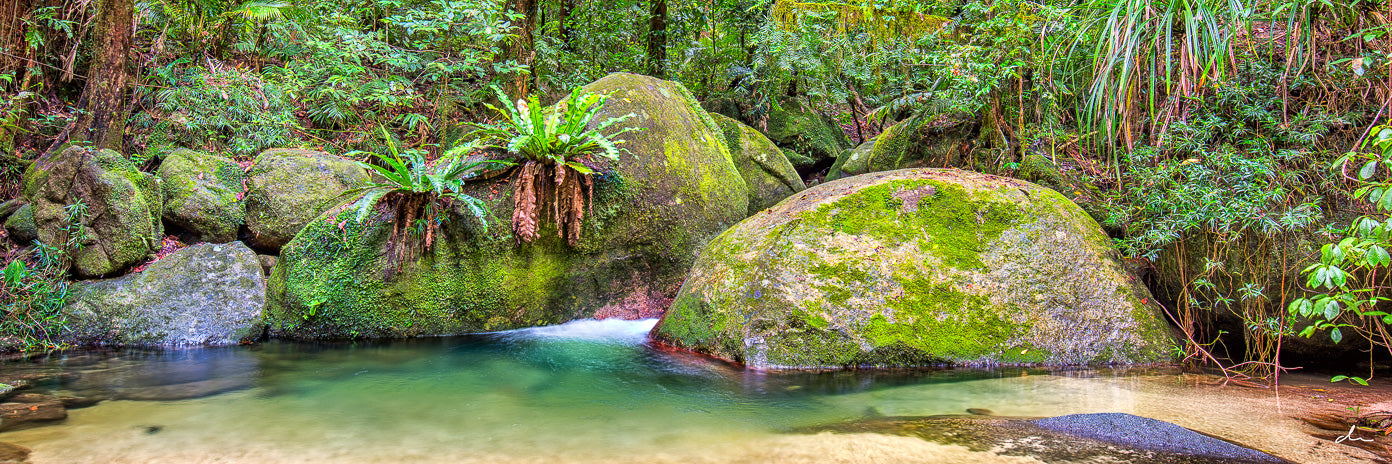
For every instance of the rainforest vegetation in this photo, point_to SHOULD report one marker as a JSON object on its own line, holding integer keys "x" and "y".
{"x": 1238, "y": 151}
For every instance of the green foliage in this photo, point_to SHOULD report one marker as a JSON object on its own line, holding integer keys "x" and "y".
{"x": 1346, "y": 280}
{"x": 419, "y": 198}
{"x": 33, "y": 292}
{"x": 408, "y": 173}
{"x": 560, "y": 135}
{"x": 1147, "y": 55}
{"x": 1233, "y": 167}
{"x": 221, "y": 109}
{"x": 31, "y": 302}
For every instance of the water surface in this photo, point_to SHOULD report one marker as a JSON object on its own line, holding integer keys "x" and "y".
{"x": 588, "y": 391}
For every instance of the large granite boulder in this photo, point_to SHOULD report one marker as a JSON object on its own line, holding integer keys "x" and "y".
{"x": 121, "y": 222}
{"x": 288, "y": 188}
{"x": 809, "y": 137}
{"x": 768, "y": 176}
{"x": 203, "y": 194}
{"x": 913, "y": 143}
{"x": 916, "y": 267}
{"x": 674, "y": 187}
{"x": 208, "y": 294}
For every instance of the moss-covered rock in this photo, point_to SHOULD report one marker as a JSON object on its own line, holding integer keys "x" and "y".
{"x": 913, "y": 267}
{"x": 768, "y": 176}
{"x": 202, "y": 193}
{"x": 123, "y": 207}
{"x": 20, "y": 225}
{"x": 808, "y": 137}
{"x": 674, "y": 187}
{"x": 912, "y": 143}
{"x": 208, "y": 294}
{"x": 287, "y": 188}
{"x": 1043, "y": 171}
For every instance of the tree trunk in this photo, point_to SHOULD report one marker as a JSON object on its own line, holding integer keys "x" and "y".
{"x": 12, "y": 39}
{"x": 103, "y": 119}
{"x": 567, "y": 10}
{"x": 521, "y": 48}
{"x": 657, "y": 38}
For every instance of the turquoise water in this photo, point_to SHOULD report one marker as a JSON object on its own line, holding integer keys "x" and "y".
{"x": 588, "y": 391}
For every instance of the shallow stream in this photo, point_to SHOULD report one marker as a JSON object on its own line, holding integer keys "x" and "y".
{"x": 588, "y": 391}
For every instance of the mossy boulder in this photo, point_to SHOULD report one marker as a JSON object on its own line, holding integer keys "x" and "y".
{"x": 912, "y": 143}
{"x": 767, "y": 174}
{"x": 287, "y": 188}
{"x": 673, "y": 188}
{"x": 207, "y": 294}
{"x": 20, "y": 225}
{"x": 808, "y": 137}
{"x": 123, "y": 207}
{"x": 203, "y": 194}
{"x": 916, "y": 267}
{"x": 1041, "y": 170}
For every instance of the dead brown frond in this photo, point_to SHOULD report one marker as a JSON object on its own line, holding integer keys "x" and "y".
{"x": 558, "y": 190}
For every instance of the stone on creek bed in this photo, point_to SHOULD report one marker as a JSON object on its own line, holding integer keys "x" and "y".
{"x": 1104, "y": 437}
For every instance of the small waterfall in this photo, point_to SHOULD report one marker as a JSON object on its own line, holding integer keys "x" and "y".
{"x": 604, "y": 331}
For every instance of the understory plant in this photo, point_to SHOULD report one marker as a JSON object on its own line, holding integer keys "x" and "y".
{"x": 32, "y": 296}
{"x": 419, "y": 196}
{"x": 551, "y": 147}
{"x": 1349, "y": 294}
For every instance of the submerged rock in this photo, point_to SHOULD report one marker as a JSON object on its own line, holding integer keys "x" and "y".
{"x": 915, "y": 267}
{"x": 1113, "y": 438}
{"x": 208, "y": 294}
{"x": 202, "y": 194}
{"x": 673, "y": 188}
{"x": 767, "y": 174}
{"x": 29, "y": 410}
{"x": 287, "y": 188}
{"x": 121, "y": 225}
{"x": 11, "y": 453}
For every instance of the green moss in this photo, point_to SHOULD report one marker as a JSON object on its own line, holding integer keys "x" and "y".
{"x": 807, "y": 136}
{"x": 948, "y": 222}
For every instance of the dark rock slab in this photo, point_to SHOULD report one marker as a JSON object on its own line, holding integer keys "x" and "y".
{"x": 1110, "y": 438}
{"x": 1150, "y": 434}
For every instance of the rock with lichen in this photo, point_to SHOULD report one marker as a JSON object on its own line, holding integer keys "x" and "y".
{"x": 674, "y": 187}
{"x": 288, "y": 188}
{"x": 916, "y": 267}
{"x": 768, "y": 175}
{"x": 203, "y": 194}
{"x": 207, "y": 294}
{"x": 118, "y": 222}
{"x": 20, "y": 225}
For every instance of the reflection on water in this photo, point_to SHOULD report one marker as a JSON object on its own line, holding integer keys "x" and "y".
{"x": 586, "y": 391}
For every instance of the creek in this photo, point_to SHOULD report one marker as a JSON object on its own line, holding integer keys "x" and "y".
{"x": 586, "y": 391}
